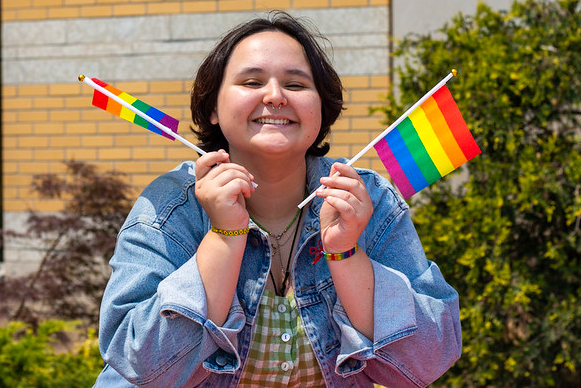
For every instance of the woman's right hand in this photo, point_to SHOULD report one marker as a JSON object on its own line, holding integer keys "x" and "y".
{"x": 221, "y": 187}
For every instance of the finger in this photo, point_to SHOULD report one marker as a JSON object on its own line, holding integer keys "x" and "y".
{"x": 206, "y": 162}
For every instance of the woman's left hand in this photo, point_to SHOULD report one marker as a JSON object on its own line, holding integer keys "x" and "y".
{"x": 346, "y": 210}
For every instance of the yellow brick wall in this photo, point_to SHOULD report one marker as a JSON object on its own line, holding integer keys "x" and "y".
{"x": 19, "y": 10}
{"x": 45, "y": 125}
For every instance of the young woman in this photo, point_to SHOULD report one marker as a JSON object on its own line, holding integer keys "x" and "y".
{"x": 217, "y": 283}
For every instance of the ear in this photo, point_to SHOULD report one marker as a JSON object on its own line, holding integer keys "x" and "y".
{"x": 214, "y": 117}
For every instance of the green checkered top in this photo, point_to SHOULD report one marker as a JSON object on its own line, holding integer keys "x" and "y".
{"x": 280, "y": 354}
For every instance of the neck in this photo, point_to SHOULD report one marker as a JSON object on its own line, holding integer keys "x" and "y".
{"x": 281, "y": 187}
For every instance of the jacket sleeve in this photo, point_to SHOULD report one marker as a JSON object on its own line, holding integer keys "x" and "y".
{"x": 153, "y": 326}
{"x": 417, "y": 334}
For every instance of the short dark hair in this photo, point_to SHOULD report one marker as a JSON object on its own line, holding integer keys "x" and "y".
{"x": 211, "y": 73}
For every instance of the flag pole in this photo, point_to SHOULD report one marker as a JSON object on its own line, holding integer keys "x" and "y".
{"x": 453, "y": 73}
{"x": 127, "y": 105}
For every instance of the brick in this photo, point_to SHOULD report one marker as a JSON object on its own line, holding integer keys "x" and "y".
{"x": 177, "y": 100}
{"x": 166, "y": 87}
{"x": 117, "y": 153}
{"x": 130, "y": 140}
{"x": 149, "y": 153}
{"x": 33, "y": 168}
{"x": 16, "y": 129}
{"x": 380, "y": 81}
{"x": 8, "y": 15}
{"x": 371, "y": 123}
{"x": 10, "y": 193}
{"x": 32, "y": 14}
{"x": 16, "y": 180}
{"x": 268, "y": 4}
{"x": 80, "y": 128}
{"x": 64, "y": 12}
{"x": 65, "y": 115}
{"x": 78, "y": 102}
{"x": 48, "y": 128}
{"x": 48, "y": 102}
{"x": 9, "y": 91}
{"x": 65, "y": 141}
{"x": 64, "y": 89}
{"x": 142, "y": 180}
{"x": 96, "y": 11}
{"x": 133, "y": 87}
{"x": 348, "y": 3}
{"x": 183, "y": 153}
{"x": 164, "y": 8}
{"x": 79, "y": 2}
{"x": 158, "y": 167}
{"x": 15, "y": 4}
{"x": 33, "y": 141}
{"x": 32, "y": 116}
{"x": 50, "y": 154}
{"x": 49, "y": 205}
{"x": 310, "y": 3}
{"x": 10, "y": 167}
{"x": 199, "y": 6}
{"x": 350, "y": 138}
{"x": 9, "y": 142}
{"x": 95, "y": 114}
{"x": 355, "y": 82}
{"x": 81, "y": 154}
{"x": 128, "y": 9}
{"x": 369, "y": 95}
{"x": 97, "y": 141}
{"x": 356, "y": 110}
{"x": 118, "y": 126}
{"x": 235, "y": 5}
{"x": 14, "y": 205}
{"x": 16, "y": 103}
{"x": 131, "y": 167}
{"x": 33, "y": 90}
{"x": 379, "y": 2}
{"x": 9, "y": 117}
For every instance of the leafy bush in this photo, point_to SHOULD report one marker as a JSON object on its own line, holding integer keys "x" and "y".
{"x": 28, "y": 358}
{"x": 78, "y": 242}
{"x": 509, "y": 238}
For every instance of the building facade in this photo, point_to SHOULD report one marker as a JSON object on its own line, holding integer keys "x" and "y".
{"x": 151, "y": 50}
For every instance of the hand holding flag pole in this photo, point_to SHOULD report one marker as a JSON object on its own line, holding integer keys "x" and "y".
{"x": 444, "y": 141}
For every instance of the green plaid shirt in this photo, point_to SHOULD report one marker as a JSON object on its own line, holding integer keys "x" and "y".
{"x": 280, "y": 354}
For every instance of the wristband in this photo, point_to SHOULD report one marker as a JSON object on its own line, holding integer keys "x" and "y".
{"x": 340, "y": 256}
{"x": 238, "y": 232}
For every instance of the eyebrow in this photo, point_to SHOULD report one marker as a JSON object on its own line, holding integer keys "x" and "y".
{"x": 292, "y": 71}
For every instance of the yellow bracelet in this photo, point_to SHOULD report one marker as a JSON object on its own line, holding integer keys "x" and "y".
{"x": 238, "y": 232}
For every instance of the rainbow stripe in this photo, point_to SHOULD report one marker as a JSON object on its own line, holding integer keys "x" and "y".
{"x": 102, "y": 101}
{"x": 428, "y": 144}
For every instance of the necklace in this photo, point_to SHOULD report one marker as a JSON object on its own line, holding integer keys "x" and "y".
{"x": 276, "y": 245}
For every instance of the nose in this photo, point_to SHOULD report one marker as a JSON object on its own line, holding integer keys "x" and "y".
{"x": 274, "y": 94}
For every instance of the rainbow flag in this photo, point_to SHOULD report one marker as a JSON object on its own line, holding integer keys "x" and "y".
{"x": 428, "y": 144}
{"x": 102, "y": 101}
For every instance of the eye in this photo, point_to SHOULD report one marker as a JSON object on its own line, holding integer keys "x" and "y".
{"x": 295, "y": 86}
{"x": 252, "y": 83}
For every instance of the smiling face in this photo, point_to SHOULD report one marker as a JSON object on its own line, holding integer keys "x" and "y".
{"x": 266, "y": 71}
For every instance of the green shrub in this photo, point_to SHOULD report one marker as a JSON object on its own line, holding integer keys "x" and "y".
{"x": 509, "y": 238}
{"x": 28, "y": 358}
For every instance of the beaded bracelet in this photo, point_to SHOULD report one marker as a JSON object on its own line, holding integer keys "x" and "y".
{"x": 238, "y": 232}
{"x": 340, "y": 256}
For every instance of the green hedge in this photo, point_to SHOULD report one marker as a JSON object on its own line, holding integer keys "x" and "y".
{"x": 28, "y": 357}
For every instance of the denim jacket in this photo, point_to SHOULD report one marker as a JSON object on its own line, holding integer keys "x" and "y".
{"x": 154, "y": 331}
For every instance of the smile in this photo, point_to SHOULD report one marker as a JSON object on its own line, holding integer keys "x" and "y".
{"x": 265, "y": 120}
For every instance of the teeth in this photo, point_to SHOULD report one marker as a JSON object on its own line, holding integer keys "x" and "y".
{"x": 265, "y": 120}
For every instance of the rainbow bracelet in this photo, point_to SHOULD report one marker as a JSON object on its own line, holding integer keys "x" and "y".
{"x": 340, "y": 256}
{"x": 238, "y": 232}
